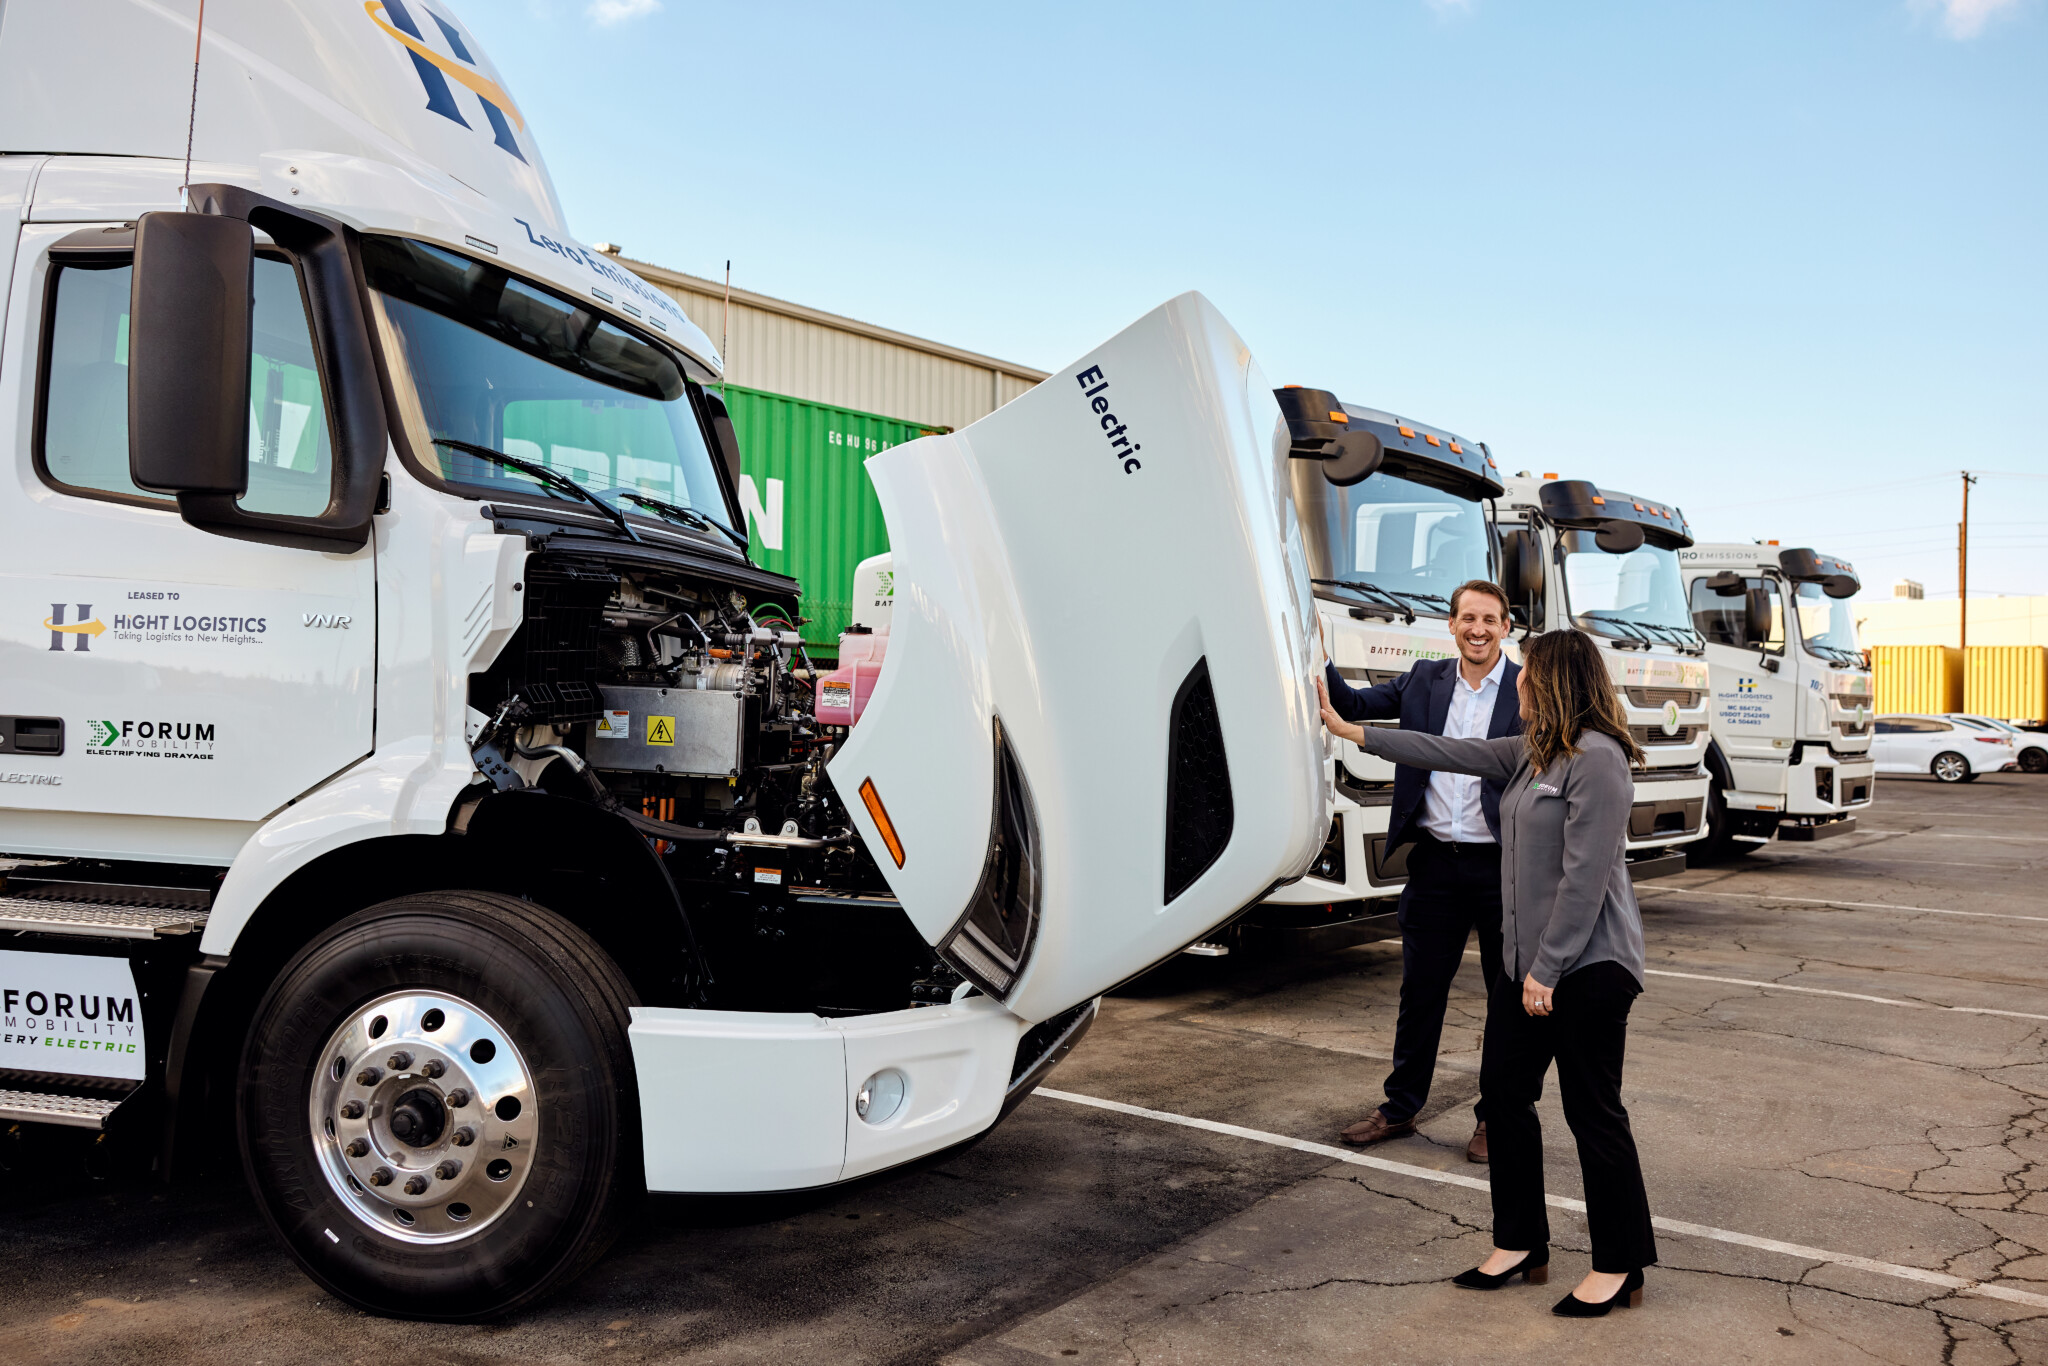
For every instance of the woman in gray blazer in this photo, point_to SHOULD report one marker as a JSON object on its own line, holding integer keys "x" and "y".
{"x": 1572, "y": 950}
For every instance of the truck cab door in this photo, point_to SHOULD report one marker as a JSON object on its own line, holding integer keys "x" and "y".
{"x": 187, "y": 685}
{"x": 1096, "y": 738}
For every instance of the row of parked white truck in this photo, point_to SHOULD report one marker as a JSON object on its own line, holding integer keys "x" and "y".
{"x": 414, "y": 803}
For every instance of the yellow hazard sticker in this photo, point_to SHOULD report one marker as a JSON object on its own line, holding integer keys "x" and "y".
{"x": 661, "y": 730}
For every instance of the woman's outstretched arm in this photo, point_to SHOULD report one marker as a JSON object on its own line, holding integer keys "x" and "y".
{"x": 1495, "y": 759}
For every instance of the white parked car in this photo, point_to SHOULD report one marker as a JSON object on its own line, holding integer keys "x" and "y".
{"x": 1953, "y": 750}
{"x": 2030, "y": 747}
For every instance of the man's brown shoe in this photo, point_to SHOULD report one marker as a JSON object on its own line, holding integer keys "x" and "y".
{"x": 1475, "y": 1151}
{"x": 1376, "y": 1128}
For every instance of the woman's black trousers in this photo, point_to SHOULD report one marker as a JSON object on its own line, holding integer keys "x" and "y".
{"x": 1586, "y": 1036}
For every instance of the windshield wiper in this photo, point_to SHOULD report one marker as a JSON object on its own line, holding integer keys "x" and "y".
{"x": 1635, "y": 629}
{"x": 676, "y": 512}
{"x": 547, "y": 477}
{"x": 1422, "y": 597}
{"x": 1374, "y": 592}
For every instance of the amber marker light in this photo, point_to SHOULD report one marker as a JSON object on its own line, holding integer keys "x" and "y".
{"x": 1432, "y": 440}
{"x": 1406, "y": 431}
{"x": 873, "y": 800}
{"x": 1340, "y": 417}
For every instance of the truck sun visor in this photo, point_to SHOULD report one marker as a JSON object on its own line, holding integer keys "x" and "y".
{"x": 1320, "y": 427}
{"x": 1837, "y": 578}
{"x": 994, "y": 938}
{"x": 1581, "y": 504}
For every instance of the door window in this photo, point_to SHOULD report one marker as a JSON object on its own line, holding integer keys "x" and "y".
{"x": 1720, "y": 620}
{"x": 83, "y": 436}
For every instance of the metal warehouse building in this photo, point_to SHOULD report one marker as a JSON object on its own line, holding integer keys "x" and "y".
{"x": 809, "y": 354}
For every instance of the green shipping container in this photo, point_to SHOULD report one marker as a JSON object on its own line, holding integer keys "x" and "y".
{"x": 811, "y": 510}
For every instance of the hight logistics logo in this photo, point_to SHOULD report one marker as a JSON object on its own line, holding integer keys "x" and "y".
{"x": 80, "y": 630}
{"x": 436, "y": 69}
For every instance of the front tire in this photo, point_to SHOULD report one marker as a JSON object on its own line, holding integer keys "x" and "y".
{"x": 436, "y": 1106}
{"x": 1950, "y": 767}
{"x": 2034, "y": 761}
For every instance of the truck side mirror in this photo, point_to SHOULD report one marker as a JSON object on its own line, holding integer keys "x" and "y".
{"x": 1756, "y": 616}
{"x": 722, "y": 432}
{"x": 1352, "y": 459}
{"x": 1727, "y": 584}
{"x": 1619, "y": 538}
{"x": 189, "y": 323}
{"x": 1521, "y": 565}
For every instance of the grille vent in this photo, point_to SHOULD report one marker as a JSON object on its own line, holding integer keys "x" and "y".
{"x": 1199, "y": 811}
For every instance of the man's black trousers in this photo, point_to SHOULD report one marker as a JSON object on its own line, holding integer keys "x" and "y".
{"x": 1586, "y": 1034}
{"x": 1453, "y": 890}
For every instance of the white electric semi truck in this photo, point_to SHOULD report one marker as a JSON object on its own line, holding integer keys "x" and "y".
{"x": 409, "y": 796}
{"x": 1575, "y": 556}
{"x": 1393, "y": 517}
{"x": 1792, "y": 706}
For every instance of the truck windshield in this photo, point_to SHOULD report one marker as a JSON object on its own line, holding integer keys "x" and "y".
{"x": 489, "y": 359}
{"x": 1639, "y": 593}
{"x": 1825, "y": 623}
{"x": 1402, "y": 537}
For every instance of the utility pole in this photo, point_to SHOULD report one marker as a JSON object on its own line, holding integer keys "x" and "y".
{"x": 1963, "y": 570}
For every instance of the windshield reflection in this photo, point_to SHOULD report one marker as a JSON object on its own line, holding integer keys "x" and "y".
{"x": 1403, "y": 538}
{"x": 1639, "y": 593}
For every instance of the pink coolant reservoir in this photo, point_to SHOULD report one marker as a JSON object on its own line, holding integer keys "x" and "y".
{"x": 843, "y": 693}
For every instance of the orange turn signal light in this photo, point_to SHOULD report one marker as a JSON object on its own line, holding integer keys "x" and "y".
{"x": 873, "y": 801}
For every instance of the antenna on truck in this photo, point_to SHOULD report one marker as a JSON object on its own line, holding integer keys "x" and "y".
{"x": 192, "y": 111}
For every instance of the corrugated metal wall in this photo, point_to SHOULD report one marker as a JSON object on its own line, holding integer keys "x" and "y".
{"x": 2009, "y": 682}
{"x": 1917, "y": 678}
{"x": 806, "y": 353}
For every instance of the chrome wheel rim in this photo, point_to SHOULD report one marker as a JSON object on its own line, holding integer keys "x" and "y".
{"x": 424, "y": 1117}
{"x": 1948, "y": 768}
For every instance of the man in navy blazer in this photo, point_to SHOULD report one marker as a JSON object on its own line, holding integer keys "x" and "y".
{"x": 1452, "y": 824}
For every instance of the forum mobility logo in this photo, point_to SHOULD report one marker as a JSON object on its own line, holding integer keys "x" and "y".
{"x": 81, "y": 630}
{"x": 435, "y": 69}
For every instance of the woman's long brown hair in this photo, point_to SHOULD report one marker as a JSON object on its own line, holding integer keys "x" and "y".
{"x": 1570, "y": 694}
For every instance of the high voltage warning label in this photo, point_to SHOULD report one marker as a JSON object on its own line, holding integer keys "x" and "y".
{"x": 661, "y": 730}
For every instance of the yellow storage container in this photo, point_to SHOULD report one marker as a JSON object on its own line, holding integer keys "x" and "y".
{"x": 2009, "y": 682}
{"x": 1917, "y": 678}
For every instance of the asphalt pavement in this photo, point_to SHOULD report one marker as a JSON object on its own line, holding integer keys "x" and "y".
{"x": 1837, "y": 1077}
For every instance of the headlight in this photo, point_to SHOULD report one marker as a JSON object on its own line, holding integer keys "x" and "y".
{"x": 994, "y": 937}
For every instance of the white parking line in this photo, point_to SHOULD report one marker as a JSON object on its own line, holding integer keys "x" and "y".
{"x": 1847, "y": 905}
{"x": 1957, "y": 1284}
{"x": 1900, "y": 1002}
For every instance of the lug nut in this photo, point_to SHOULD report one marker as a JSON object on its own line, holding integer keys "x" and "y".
{"x": 369, "y": 1076}
{"x": 459, "y": 1097}
{"x": 352, "y": 1110}
{"x": 464, "y": 1136}
{"x": 357, "y": 1147}
{"x": 399, "y": 1061}
{"x": 433, "y": 1067}
{"x": 381, "y": 1177}
{"x": 448, "y": 1170}
{"x": 416, "y": 1185}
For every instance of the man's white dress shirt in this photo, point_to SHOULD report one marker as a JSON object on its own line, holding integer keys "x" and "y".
{"x": 1450, "y": 808}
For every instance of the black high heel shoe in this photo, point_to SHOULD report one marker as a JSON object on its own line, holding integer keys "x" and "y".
{"x": 1630, "y": 1294}
{"x": 1535, "y": 1268}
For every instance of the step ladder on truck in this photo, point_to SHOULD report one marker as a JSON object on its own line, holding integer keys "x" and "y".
{"x": 1793, "y": 712}
{"x": 1393, "y": 518}
{"x": 1578, "y": 557}
{"x": 415, "y": 802}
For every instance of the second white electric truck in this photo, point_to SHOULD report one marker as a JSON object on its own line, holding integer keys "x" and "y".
{"x": 1575, "y": 556}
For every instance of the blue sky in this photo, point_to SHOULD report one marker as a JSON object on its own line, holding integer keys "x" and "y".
{"x": 1778, "y": 261}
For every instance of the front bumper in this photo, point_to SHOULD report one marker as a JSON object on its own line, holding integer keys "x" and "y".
{"x": 1355, "y": 863}
{"x": 1668, "y": 809}
{"x": 745, "y": 1101}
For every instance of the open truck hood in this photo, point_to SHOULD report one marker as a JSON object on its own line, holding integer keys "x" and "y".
{"x": 1103, "y": 610}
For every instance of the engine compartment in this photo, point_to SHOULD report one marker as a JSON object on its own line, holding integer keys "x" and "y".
{"x": 686, "y": 708}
